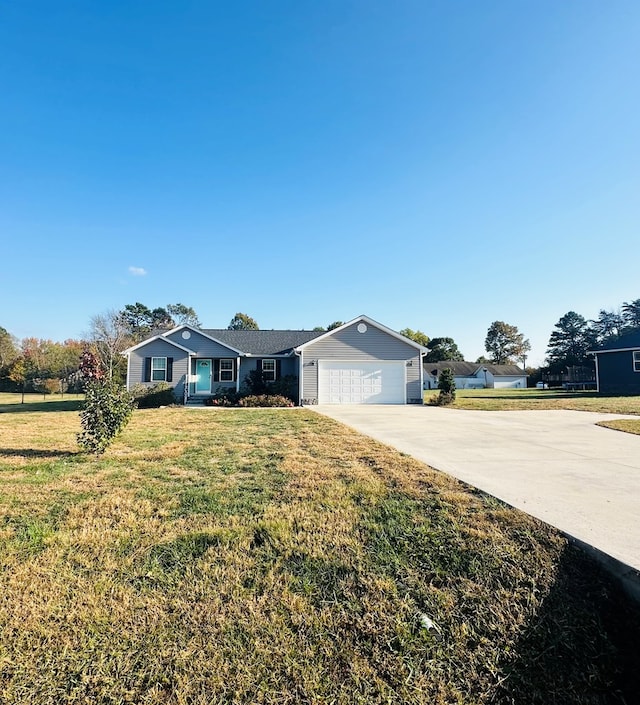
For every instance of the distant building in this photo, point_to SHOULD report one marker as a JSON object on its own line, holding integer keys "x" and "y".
{"x": 473, "y": 375}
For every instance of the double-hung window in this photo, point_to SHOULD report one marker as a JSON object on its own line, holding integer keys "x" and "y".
{"x": 226, "y": 370}
{"x": 158, "y": 369}
{"x": 269, "y": 370}
{"x": 636, "y": 360}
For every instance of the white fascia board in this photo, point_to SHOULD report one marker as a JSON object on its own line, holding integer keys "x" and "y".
{"x": 602, "y": 352}
{"x": 371, "y": 322}
{"x": 269, "y": 355}
{"x": 150, "y": 340}
{"x": 177, "y": 328}
{"x": 209, "y": 337}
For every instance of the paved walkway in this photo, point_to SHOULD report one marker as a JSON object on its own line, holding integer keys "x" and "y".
{"x": 556, "y": 465}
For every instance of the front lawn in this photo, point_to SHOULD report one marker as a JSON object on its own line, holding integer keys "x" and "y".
{"x": 275, "y": 556}
{"x": 524, "y": 399}
{"x": 626, "y": 425}
{"x": 16, "y": 402}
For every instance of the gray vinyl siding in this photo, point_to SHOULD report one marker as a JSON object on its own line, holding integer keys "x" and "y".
{"x": 158, "y": 348}
{"x": 202, "y": 346}
{"x": 350, "y": 345}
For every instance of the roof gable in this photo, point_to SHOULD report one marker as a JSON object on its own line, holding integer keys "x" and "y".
{"x": 369, "y": 321}
{"x": 203, "y": 332}
{"x": 151, "y": 340}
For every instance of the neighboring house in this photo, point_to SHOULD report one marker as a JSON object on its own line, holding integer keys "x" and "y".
{"x": 473, "y": 375}
{"x": 360, "y": 362}
{"x": 618, "y": 365}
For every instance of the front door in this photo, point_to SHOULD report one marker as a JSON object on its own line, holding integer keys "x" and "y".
{"x": 203, "y": 376}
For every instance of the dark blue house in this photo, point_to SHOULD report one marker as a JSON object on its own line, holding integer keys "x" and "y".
{"x": 618, "y": 365}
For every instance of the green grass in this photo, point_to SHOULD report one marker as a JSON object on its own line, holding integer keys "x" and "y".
{"x": 13, "y": 403}
{"x": 275, "y": 556}
{"x": 524, "y": 399}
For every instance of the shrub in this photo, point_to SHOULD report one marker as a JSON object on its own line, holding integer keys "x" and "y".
{"x": 107, "y": 407}
{"x": 442, "y": 399}
{"x": 106, "y": 411}
{"x": 254, "y": 384}
{"x": 225, "y": 396}
{"x": 47, "y": 385}
{"x": 265, "y": 400}
{"x": 160, "y": 394}
{"x": 286, "y": 386}
{"x": 447, "y": 387}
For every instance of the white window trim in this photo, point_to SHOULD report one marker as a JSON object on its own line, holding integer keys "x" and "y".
{"x": 231, "y": 370}
{"x": 154, "y": 369}
{"x": 274, "y": 371}
{"x": 635, "y": 356}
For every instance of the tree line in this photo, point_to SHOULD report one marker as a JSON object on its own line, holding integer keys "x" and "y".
{"x": 574, "y": 335}
{"x": 42, "y": 365}
{"x": 35, "y": 364}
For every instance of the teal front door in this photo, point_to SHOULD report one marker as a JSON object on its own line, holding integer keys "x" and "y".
{"x": 203, "y": 373}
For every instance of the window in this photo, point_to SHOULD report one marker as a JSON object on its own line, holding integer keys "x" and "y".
{"x": 158, "y": 369}
{"x": 268, "y": 370}
{"x": 226, "y": 370}
{"x": 636, "y": 360}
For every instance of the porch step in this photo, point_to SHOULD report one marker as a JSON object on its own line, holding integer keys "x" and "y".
{"x": 195, "y": 401}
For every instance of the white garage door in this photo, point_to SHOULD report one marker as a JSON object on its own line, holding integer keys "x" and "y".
{"x": 361, "y": 382}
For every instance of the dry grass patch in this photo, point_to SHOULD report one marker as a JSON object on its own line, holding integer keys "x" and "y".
{"x": 278, "y": 557}
{"x": 541, "y": 399}
{"x": 626, "y": 425}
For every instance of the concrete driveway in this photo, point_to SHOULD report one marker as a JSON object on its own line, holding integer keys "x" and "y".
{"x": 555, "y": 465}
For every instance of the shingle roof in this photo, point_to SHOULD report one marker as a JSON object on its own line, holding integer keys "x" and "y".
{"x": 631, "y": 340}
{"x": 468, "y": 369}
{"x": 460, "y": 369}
{"x": 263, "y": 342}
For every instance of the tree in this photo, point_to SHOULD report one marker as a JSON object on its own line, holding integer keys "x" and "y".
{"x": 18, "y": 373}
{"x": 136, "y": 319}
{"x": 631, "y": 315}
{"x": 608, "y": 325}
{"x": 109, "y": 336}
{"x": 107, "y": 406}
{"x": 139, "y": 320}
{"x": 334, "y": 325}
{"x": 447, "y": 387}
{"x": 416, "y": 335}
{"x": 569, "y": 342}
{"x": 183, "y": 315}
{"x": 8, "y": 349}
{"x": 242, "y": 322}
{"x": 505, "y": 344}
{"x": 443, "y": 349}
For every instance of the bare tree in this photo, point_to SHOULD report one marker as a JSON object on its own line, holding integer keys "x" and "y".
{"x": 109, "y": 335}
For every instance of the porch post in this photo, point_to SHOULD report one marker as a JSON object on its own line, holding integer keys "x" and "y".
{"x": 237, "y": 374}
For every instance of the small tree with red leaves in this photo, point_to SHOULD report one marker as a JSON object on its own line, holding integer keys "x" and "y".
{"x": 107, "y": 406}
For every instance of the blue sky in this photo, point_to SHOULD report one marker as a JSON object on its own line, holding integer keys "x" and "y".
{"x": 438, "y": 165}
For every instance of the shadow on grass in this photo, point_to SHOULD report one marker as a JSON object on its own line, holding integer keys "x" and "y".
{"x": 581, "y": 646}
{"x": 33, "y": 453}
{"x": 544, "y": 396}
{"x": 70, "y": 405}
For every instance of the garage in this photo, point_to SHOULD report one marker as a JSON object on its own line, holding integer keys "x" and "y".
{"x": 361, "y": 382}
